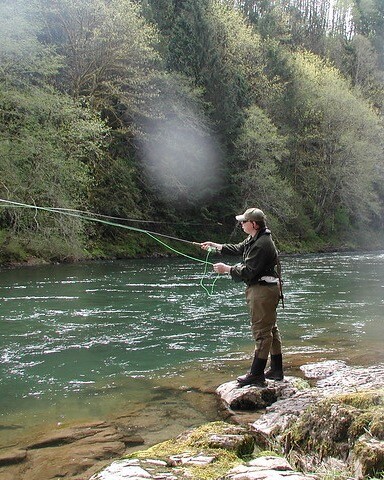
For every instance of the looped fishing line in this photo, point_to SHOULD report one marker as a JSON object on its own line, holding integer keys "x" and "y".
{"x": 209, "y": 290}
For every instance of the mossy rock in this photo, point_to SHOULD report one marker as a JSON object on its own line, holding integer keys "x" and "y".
{"x": 371, "y": 413}
{"x": 208, "y": 437}
{"x": 322, "y": 430}
{"x": 226, "y": 443}
{"x": 333, "y": 426}
{"x": 368, "y": 457}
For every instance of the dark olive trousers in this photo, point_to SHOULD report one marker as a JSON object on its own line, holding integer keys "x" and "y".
{"x": 262, "y": 301}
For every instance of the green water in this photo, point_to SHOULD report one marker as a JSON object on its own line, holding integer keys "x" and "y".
{"x": 135, "y": 338}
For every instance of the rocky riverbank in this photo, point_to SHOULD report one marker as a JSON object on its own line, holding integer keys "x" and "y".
{"x": 334, "y": 424}
{"x": 331, "y": 421}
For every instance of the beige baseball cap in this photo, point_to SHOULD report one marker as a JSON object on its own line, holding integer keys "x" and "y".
{"x": 251, "y": 214}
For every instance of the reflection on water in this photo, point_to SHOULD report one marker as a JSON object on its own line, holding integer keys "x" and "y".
{"x": 88, "y": 341}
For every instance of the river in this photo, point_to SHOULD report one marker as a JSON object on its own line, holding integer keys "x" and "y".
{"x": 140, "y": 337}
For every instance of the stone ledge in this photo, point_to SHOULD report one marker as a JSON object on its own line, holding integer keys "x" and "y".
{"x": 69, "y": 452}
{"x": 262, "y": 468}
{"x": 265, "y": 468}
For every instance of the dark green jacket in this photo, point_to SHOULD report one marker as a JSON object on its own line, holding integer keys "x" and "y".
{"x": 259, "y": 257}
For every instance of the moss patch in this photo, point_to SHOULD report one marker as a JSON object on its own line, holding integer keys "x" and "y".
{"x": 371, "y": 413}
{"x": 363, "y": 400}
{"x": 332, "y": 427}
{"x": 197, "y": 442}
{"x": 369, "y": 455}
{"x": 218, "y": 469}
{"x": 300, "y": 384}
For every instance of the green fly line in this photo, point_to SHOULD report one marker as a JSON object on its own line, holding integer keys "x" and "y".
{"x": 153, "y": 235}
{"x": 209, "y": 290}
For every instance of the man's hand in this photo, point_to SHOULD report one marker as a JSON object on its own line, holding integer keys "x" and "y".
{"x": 211, "y": 245}
{"x": 221, "y": 268}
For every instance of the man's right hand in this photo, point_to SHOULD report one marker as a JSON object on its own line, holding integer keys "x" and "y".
{"x": 208, "y": 245}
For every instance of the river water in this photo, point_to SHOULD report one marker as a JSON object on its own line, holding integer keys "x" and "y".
{"x": 143, "y": 339}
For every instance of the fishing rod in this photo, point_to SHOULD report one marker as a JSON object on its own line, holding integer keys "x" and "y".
{"x": 137, "y": 220}
{"x": 76, "y": 214}
{"x": 80, "y": 214}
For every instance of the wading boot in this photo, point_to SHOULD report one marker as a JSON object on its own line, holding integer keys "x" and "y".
{"x": 255, "y": 376}
{"x": 276, "y": 370}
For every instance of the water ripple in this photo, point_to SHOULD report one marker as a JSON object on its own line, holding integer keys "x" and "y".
{"x": 70, "y": 326}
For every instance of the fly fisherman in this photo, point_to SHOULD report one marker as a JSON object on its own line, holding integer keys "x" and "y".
{"x": 258, "y": 271}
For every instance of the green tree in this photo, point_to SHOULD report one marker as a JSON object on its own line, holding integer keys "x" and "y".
{"x": 109, "y": 62}
{"x": 261, "y": 151}
{"x": 213, "y": 44}
{"x": 336, "y": 149}
{"x": 47, "y": 142}
{"x": 237, "y": 77}
{"x": 369, "y": 20}
{"x": 108, "y": 53}
{"x": 224, "y": 59}
{"x": 23, "y": 56}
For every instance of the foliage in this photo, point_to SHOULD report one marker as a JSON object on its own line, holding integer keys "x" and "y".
{"x": 47, "y": 144}
{"x": 109, "y": 62}
{"x": 44, "y": 151}
{"x": 336, "y": 147}
{"x": 261, "y": 151}
{"x": 103, "y": 45}
{"x": 213, "y": 44}
{"x": 186, "y": 111}
{"x": 22, "y": 54}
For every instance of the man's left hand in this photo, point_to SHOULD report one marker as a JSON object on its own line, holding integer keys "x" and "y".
{"x": 221, "y": 268}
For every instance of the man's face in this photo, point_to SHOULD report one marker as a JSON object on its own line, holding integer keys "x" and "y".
{"x": 250, "y": 227}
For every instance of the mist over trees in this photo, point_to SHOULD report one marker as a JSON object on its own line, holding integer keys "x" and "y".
{"x": 184, "y": 112}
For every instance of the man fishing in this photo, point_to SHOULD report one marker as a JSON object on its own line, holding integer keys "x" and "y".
{"x": 258, "y": 271}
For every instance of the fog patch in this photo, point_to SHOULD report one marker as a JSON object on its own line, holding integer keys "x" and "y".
{"x": 178, "y": 149}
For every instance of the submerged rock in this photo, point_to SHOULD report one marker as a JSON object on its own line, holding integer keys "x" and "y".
{"x": 12, "y": 457}
{"x": 68, "y": 452}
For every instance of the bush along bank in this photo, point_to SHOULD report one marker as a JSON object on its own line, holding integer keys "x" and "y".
{"x": 329, "y": 426}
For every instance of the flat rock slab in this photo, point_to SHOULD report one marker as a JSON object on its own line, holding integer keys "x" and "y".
{"x": 122, "y": 470}
{"x": 333, "y": 377}
{"x": 269, "y": 467}
{"x": 345, "y": 379}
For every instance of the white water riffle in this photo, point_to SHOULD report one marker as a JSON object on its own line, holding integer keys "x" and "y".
{"x": 84, "y": 340}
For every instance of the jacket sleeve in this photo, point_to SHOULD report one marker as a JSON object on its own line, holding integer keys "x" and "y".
{"x": 252, "y": 267}
{"x": 233, "y": 248}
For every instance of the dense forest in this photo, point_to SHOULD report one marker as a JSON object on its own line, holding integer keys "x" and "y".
{"x": 175, "y": 115}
